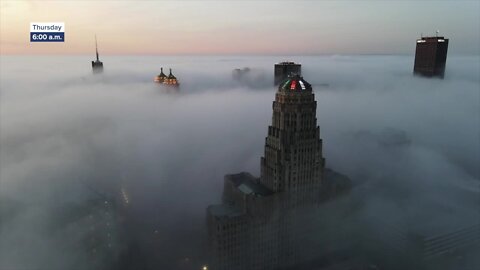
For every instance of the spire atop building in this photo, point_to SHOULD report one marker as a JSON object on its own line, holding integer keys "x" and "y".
{"x": 168, "y": 80}
{"x": 161, "y": 77}
{"x": 96, "y": 47}
{"x": 172, "y": 80}
{"x": 97, "y": 65}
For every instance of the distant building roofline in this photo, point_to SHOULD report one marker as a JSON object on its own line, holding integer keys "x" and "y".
{"x": 287, "y": 63}
{"x": 432, "y": 39}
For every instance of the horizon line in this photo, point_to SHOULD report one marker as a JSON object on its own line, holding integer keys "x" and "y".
{"x": 235, "y": 54}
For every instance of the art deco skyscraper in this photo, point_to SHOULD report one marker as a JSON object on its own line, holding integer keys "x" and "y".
{"x": 293, "y": 148}
{"x": 267, "y": 222}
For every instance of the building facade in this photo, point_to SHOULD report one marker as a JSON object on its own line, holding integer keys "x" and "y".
{"x": 431, "y": 56}
{"x": 284, "y": 69}
{"x": 267, "y": 222}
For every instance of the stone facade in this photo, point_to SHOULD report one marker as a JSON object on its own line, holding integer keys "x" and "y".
{"x": 268, "y": 222}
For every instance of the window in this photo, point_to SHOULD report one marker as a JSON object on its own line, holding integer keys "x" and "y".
{"x": 292, "y": 85}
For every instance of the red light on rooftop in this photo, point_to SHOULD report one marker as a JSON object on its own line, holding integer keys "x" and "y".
{"x": 292, "y": 86}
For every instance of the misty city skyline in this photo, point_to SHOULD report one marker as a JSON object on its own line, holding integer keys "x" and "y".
{"x": 389, "y": 131}
{"x": 189, "y": 140}
{"x": 241, "y": 27}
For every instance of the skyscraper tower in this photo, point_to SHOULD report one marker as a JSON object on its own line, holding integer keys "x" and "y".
{"x": 97, "y": 65}
{"x": 270, "y": 222}
{"x": 431, "y": 56}
{"x": 293, "y": 148}
{"x": 284, "y": 69}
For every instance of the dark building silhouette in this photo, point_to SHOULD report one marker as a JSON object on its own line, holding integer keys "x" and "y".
{"x": 431, "y": 56}
{"x": 284, "y": 69}
{"x": 267, "y": 222}
{"x": 250, "y": 77}
{"x": 97, "y": 65}
{"x": 238, "y": 74}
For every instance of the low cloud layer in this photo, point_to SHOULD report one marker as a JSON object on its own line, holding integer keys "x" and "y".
{"x": 67, "y": 136}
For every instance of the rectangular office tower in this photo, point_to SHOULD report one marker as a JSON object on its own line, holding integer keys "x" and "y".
{"x": 284, "y": 69}
{"x": 431, "y": 56}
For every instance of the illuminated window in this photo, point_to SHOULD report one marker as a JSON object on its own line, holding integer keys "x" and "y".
{"x": 302, "y": 85}
{"x": 292, "y": 86}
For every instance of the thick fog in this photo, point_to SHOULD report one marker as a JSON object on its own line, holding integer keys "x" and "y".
{"x": 69, "y": 137}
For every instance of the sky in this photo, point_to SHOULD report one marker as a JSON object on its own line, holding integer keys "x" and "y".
{"x": 409, "y": 144}
{"x": 240, "y": 27}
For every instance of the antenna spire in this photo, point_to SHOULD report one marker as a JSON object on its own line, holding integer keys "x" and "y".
{"x": 96, "y": 47}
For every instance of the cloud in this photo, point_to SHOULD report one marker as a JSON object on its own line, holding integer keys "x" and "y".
{"x": 67, "y": 135}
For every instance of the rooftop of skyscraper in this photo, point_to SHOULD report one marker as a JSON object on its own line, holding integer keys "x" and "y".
{"x": 295, "y": 83}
